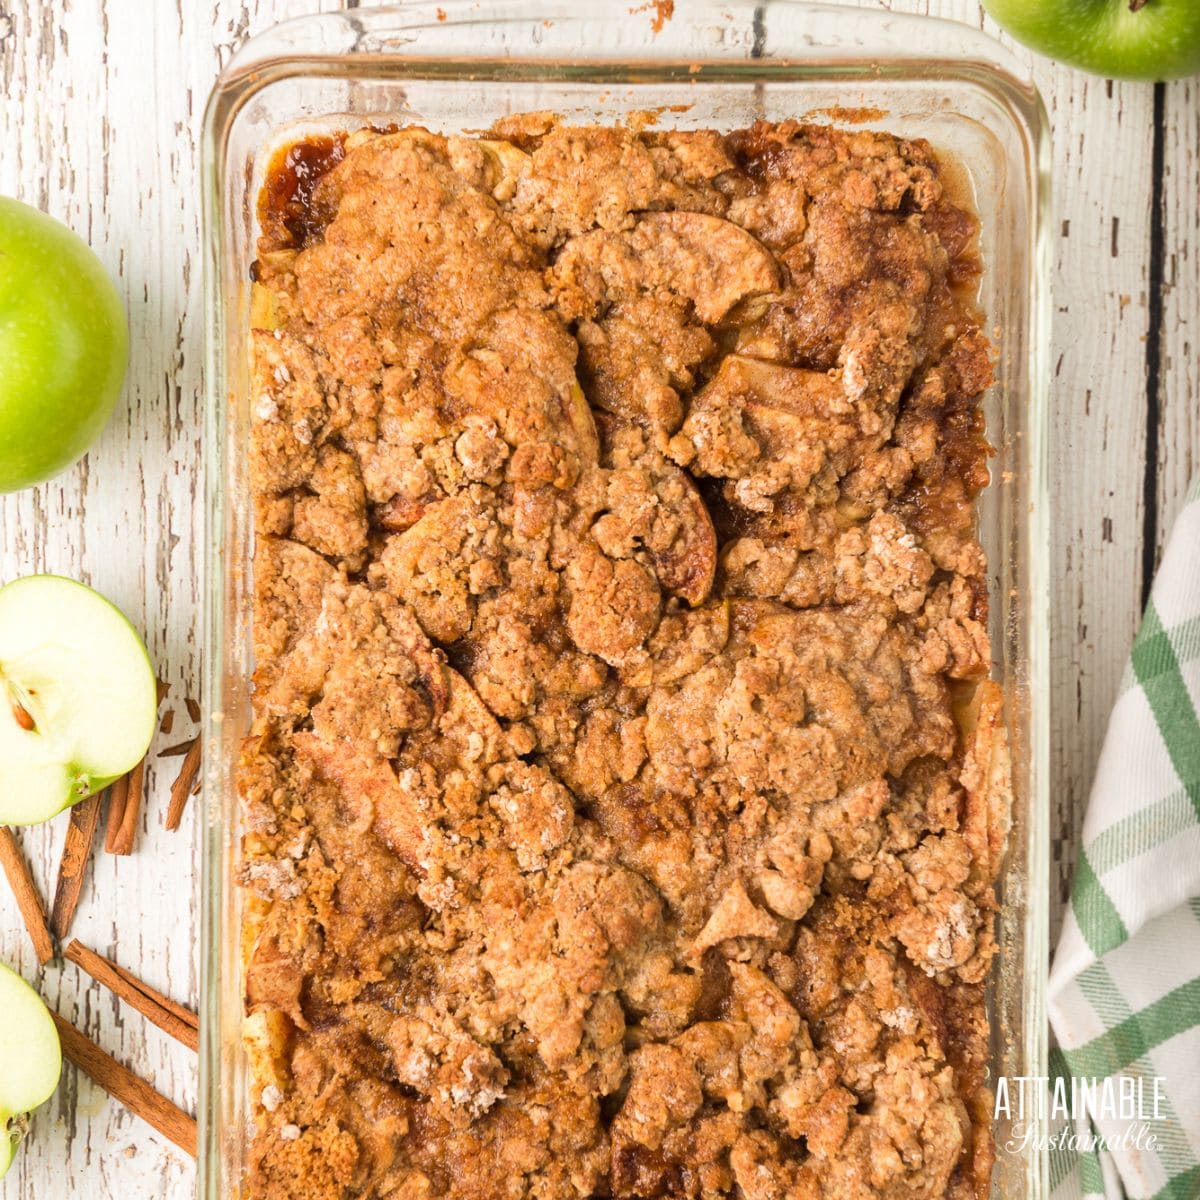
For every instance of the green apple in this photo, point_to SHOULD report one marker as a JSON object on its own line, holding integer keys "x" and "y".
{"x": 78, "y": 697}
{"x": 1122, "y": 39}
{"x": 30, "y": 1059}
{"x": 64, "y": 346}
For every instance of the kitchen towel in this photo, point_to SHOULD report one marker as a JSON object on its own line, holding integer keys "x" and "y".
{"x": 1124, "y": 993}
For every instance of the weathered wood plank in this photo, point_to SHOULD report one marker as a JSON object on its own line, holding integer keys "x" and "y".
{"x": 100, "y": 109}
{"x": 1179, "y": 348}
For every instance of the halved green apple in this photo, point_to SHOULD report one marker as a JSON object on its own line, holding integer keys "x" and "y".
{"x": 31, "y": 1059}
{"x": 78, "y": 697}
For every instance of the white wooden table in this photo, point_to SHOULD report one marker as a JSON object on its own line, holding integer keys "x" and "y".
{"x": 100, "y": 109}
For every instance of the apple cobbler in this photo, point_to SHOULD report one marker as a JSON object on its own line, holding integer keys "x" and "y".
{"x": 625, "y": 793}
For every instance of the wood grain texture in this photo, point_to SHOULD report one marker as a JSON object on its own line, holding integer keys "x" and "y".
{"x": 100, "y": 109}
{"x": 1179, "y": 349}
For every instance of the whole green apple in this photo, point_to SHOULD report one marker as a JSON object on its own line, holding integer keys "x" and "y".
{"x": 1122, "y": 39}
{"x": 64, "y": 346}
{"x": 30, "y": 1059}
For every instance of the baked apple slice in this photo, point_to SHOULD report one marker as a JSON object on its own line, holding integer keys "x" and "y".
{"x": 508, "y": 165}
{"x": 757, "y": 384}
{"x": 687, "y": 563}
{"x": 402, "y": 804}
{"x": 579, "y": 414}
{"x": 713, "y": 263}
{"x": 986, "y": 778}
{"x": 757, "y": 413}
{"x": 269, "y": 306}
{"x": 652, "y": 506}
{"x": 370, "y": 784}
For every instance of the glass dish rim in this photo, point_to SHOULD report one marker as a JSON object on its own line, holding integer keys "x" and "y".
{"x": 890, "y": 47}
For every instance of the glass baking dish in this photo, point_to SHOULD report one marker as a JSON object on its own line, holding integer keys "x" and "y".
{"x": 451, "y": 67}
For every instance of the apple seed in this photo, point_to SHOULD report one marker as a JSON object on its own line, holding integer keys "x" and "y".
{"x": 21, "y": 716}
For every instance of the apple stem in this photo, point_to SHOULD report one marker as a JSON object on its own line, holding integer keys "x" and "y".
{"x": 1137, "y": 5}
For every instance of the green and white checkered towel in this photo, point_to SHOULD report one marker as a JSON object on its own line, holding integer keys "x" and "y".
{"x": 1124, "y": 994}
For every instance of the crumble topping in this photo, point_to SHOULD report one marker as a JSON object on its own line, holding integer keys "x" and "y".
{"x": 625, "y": 792}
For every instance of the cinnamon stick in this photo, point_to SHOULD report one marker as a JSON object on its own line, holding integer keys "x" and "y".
{"x": 176, "y": 750}
{"x": 118, "y": 798}
{"x": 182, "y": 787}
{"x": 123, "y": 1085}
{"x": 26, "y": 895}
{"x": 193, "y": 708}
{"x": 170, "y": 1017}
{"x": 77, "y": 849}
{"x": 121, "y": 838}
{"x": 176, "y": 1009}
